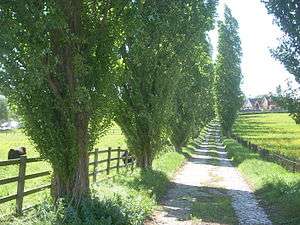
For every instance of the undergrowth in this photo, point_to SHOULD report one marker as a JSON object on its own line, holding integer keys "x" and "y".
{"x": 126, "y": 199}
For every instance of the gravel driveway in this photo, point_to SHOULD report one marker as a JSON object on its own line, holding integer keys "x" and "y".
{"x": 208, "y": 173}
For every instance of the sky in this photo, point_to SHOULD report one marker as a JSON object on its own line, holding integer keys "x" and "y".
{"x": 261, "y": 72}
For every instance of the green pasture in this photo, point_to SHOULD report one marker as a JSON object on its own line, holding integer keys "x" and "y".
{"x": 127, "y": 198}
{"x": 13, "y": 139}
{"x": 274, "y": 131}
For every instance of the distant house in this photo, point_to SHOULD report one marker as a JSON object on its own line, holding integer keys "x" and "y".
{"x": 260, "y": 104}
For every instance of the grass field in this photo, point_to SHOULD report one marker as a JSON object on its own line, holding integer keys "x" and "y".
{"x": 277, "y": 189}
{"x": 128, "y": 198}
{"x": 274, "y": 131}
{"x": 16, "y": 138}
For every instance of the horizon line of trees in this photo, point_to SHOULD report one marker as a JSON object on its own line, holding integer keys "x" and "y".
{"x": 70, "y": 68}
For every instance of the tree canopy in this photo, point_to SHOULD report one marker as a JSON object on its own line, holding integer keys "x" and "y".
{"x": 228, "y": 72}
{"x": 158, "y": 40}
{"x": 56, "y": 59}
{"x": 287, "y": 17}
{"x": 71, "y": 67}
{"x": 3, "y": 110}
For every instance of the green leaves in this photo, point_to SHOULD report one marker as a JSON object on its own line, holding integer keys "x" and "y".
{"x": 193, "y": 98}
{"x": 288, "y": 100}
{"x": 3, "y": 109}
{"x": 56, "y": 67}
{"x": 164, "y": 43}
{"x": 287, "y": 17}
{"x": 228, "y": 72}
{"x": 70, "y": 67}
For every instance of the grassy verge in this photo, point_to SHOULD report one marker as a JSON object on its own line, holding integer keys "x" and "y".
{"x": 274, "y": 131}
{"x": 127, "y": 199}
{"x": 278, "y": 189}
{"x": 16, "y": 138}
{"x": 214, "y": 208}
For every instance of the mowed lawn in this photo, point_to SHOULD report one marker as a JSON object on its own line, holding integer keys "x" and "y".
{"x": 16, "y": 138}
{"x": 274, "y": 131}
{"x": 13, "y": 139}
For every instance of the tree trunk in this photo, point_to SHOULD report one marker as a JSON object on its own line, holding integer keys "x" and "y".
{"x": 177, "y": 148}
{"x": 74, "y": 187}
{"x": 144, "y": 161}
{"x": 228, "y": 133}
{"x": 77, "y": 185}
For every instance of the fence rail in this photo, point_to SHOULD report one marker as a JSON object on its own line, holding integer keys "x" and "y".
{"x": 22, "y": 177}
{"x": 290, "y": 164}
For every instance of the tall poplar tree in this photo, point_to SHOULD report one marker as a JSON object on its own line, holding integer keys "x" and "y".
{"x": 193, "y": 97}
{"x": 55, "y": 58}
{"x": 155, "y": 43}
{"x": 151, "y": 71}
{"x": 228, "y": 72}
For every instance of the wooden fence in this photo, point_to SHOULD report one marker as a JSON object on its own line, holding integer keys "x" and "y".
{"x": 290, "y": 164}
{"x": 126, "y": 161}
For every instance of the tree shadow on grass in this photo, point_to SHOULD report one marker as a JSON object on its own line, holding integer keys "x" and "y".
{"x": 194, "y": 145}
{"x": 92, "y": 210}
{"x": 213, "y": 205}
{"x": 214, "y": 161}
{"x": 282, "y": 201}
{"x": 155, "y": 181}
{"x": 206, "y": 204}
{"x": 240, "y": 153}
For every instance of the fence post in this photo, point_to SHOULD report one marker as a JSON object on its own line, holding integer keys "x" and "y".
{"x": 21, "y": 184}
{"x": 118, "y": 160}
{"x": 126, "y": 159}
{"x": 297, "y": 166}
{"x": 95, "y": 165}
{"x": 132, "y": 163}
{"x": 294, "y": 167}
{"x": 108, "y": 160}
{"x": 249, "y": 145}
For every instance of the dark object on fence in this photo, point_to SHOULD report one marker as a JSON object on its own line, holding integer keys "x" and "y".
{"x": 253, "y": 147}
{"x": 263, "y": 152}
{"x": 22, "y": 177}
{"x": 16, "y": 153}
{"x": 127, "y": 158}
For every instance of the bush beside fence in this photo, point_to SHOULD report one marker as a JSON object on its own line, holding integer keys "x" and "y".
{"x": 290, "y": 164}
{"x": 22, "y": 177}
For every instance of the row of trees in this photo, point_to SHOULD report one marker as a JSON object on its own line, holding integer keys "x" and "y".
{"x": 72, "y": 67}
{"x": 228, "y": 95}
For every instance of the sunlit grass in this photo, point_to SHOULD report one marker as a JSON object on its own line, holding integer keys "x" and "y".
{"x": 128, "y": 198}
{"x": 274, "y": 131}
{"x": 277, "y": 188}
{"x": 153, "y": 182}
{"x": 15, "y": 138}
{"x": 214, "y": 208}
